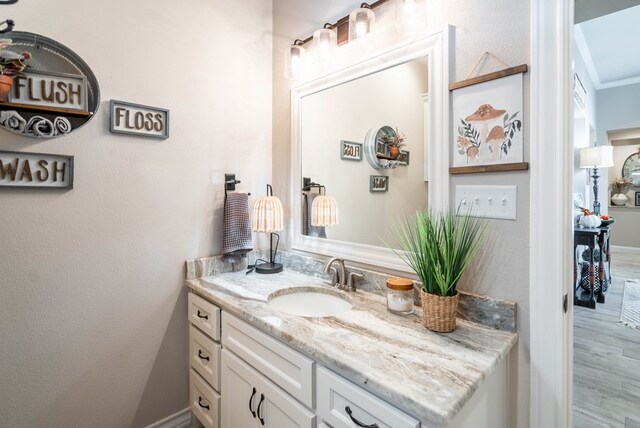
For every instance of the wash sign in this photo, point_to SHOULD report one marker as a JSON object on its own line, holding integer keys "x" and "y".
{"x": 21, "y": 169}
{"x": 52, "y": 90}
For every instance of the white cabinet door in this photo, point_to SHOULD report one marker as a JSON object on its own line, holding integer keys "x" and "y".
{"x": 280, "y": 410}
{"x": 250, "y": 400}
{"x": 239, "y": 391}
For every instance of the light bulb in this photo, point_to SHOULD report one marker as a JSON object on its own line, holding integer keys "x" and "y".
{"x": 361, "y": 28}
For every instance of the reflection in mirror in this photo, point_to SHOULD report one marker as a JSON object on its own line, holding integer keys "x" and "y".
{"x": 334, "y": 126}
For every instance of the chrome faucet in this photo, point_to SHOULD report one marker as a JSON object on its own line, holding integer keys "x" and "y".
{"x": 339, "y": 278}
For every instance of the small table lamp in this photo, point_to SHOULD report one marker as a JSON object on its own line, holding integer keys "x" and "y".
{"x": 596, "y": 157}
{"x": 267, "y": 216}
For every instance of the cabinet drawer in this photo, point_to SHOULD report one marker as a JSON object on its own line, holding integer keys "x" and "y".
{"x": 204, "y": 401}
{"x": 289, "y": 369}
{"x": 205, "y": 316}
{"x": 335, "y": 394}
{"x": 204, "y": 357}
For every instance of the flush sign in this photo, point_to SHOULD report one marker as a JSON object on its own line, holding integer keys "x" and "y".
{"x": 136, "y": 119}
{"x": 21, "y": 169}
{"x": 47, "y": 89}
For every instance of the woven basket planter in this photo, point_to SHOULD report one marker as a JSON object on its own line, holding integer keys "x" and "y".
{"x": 439, "y": 312}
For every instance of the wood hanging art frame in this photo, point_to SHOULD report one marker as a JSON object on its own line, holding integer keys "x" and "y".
{"x": 488, "y": 122}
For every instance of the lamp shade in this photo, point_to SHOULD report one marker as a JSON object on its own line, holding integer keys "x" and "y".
{"x": 361, "y": 22}
{"x": 294, "y": 60}
{"x": 324, "y": 211}
{"x": 410, "y": 16}
{"x": 596, "y": 157}
{"x": 325, "y": 39}
{"x": 267, "y": 215}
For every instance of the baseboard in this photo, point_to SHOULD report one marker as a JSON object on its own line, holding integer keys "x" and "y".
{"x": 626, "y": 250}
{"x": 182, "y": 419}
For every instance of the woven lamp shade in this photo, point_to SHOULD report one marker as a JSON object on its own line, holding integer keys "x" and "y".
{"x": 324, "y": 211}
{"x": 267, "y": 215}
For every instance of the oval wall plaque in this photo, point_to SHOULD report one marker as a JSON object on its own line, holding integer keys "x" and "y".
{"x": 57, "y": 94}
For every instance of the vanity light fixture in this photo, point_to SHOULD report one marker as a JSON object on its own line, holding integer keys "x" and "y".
{"x": 596, "y": 157}
{"x": 267, "y": 216}
{"x": 361, "y": 22}
{"x": 325, "y": 39}
{"x": 294, "y": 60}
{"x": 410, "y": 16}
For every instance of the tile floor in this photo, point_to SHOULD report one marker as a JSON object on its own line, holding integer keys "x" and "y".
{"x": 606, "y": 384}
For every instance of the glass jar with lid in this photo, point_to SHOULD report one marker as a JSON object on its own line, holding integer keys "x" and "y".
{"x": 400, "y": 296}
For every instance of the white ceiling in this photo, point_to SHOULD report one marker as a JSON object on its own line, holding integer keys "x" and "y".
{"x": 610, "y": 45}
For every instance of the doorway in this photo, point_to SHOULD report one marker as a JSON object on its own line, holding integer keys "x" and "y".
{"x": 606, "y": 336}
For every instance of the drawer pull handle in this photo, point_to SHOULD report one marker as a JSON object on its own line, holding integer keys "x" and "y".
{"x": 253, "y": 412}
{"x": 206, "y": 317}
{"x": 202, "y": 405}
{"x": 202, "y": 357}
{"x": 357, "y": 422}
{"x": 259, "y": 406}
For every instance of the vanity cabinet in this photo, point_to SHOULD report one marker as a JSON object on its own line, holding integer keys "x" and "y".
{"x": 204, "y": 361}
{"x": 250, "y": 400}
{"x": 249, "y": 379}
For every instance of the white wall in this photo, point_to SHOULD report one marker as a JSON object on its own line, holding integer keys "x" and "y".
{"x": 93, "y": 327}
{"x": 498, "y": 26}
{"x": 348, "y": 112}
{"x": 584, "y": 124}
{"x": 619, "y": 109}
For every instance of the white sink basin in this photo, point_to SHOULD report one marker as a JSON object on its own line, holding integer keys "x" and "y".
{"x": 310, "y": 302}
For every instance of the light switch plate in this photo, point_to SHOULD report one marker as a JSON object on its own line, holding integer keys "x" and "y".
{"x": 498, "y": 202}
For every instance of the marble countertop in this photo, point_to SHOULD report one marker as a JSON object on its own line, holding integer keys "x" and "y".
{"x": 427, "y": 374}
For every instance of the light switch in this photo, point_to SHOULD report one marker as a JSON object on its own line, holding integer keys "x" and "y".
{"x": 498, "y": 202}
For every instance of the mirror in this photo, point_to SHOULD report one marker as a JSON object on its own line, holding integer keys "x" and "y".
{"x": 338, "y": 118}
{"x": 372, "y": 188}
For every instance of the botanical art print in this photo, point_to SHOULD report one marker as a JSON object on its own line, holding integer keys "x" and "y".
{"x": 488, "y": 122}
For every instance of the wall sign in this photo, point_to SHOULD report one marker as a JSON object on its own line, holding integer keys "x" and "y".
{"x": 378, "y": 183}
{"x": 136, "y": 119}
{"x": 350, "y": 150}
{"x": 48, "y": 89}
{"x": 22, "y": 169}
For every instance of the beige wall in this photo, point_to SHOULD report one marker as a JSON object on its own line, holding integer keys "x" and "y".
{"x": 93, "y": 329}
{"x": 498, "y": 26}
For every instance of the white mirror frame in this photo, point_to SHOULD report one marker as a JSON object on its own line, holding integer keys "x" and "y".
{"x": 436, "y": 48}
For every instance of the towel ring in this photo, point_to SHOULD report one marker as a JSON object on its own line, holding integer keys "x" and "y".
{"x": 230, "y": 183}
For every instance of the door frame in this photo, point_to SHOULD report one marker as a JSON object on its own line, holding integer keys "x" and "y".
{"x": 551, "y": 229}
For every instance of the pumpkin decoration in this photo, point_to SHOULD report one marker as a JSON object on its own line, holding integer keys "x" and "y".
{"x": 590, "y": 221}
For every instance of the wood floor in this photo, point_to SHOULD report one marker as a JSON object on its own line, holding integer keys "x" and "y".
{"x": 606, "y": 371}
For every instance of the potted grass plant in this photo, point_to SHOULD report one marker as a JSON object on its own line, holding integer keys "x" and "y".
{"x": 439, "y": 246}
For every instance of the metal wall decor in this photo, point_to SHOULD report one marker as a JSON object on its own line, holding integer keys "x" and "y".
{"x": 137, "y": 119}
{"x": 35, "y": 170}
{"x": 44, "y": 102}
